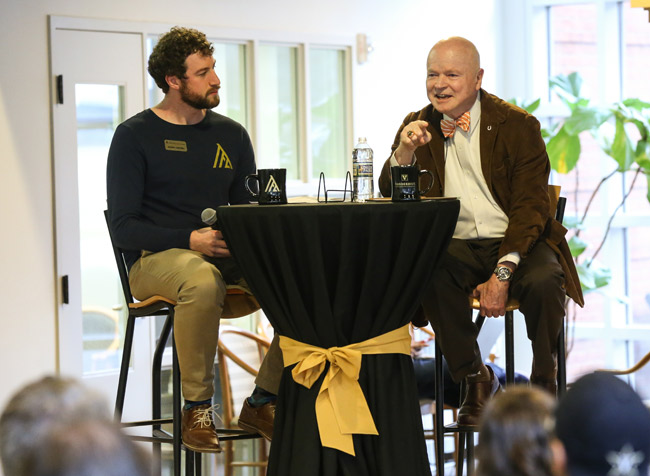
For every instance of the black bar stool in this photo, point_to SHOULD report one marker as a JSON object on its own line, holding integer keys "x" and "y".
{"x": 238, "y": 303}
{"x": 466, "y": 436}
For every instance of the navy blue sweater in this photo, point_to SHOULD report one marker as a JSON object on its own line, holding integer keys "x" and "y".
{"x": 161, "y": 176}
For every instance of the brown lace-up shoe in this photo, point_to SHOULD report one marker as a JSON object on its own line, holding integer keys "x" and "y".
{"x": 258, "y": 420}
{"x": 198, "y": 430}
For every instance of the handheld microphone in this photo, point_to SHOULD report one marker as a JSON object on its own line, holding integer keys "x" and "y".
{"x": 209, "y": 217}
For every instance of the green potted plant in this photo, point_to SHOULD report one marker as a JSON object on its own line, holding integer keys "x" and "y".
{"x": 622, "y": 131}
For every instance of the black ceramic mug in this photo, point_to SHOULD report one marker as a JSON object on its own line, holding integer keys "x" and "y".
{"x": 405, "y": 181}
{"x": 272, "y": 183}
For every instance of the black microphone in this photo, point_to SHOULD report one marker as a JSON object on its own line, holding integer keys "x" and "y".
{"x": 227, "y": 266}
{"x": 209, "y": 217}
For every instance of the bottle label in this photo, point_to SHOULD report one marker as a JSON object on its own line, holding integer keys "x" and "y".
{"x": 362, "y": 170}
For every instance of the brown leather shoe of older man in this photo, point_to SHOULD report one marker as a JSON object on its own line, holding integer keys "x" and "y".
{"x": 198, "y": 430}
{"x": 258, "y": 419}
{"x": 478, "y": 394}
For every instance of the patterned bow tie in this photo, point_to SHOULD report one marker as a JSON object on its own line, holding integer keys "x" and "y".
{"x": 449, "y": 127}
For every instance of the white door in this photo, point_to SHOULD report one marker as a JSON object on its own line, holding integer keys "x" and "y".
{"x": 99, "y": 80}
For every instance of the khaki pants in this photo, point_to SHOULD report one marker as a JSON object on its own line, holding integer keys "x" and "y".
{"x": 194, "y": 282}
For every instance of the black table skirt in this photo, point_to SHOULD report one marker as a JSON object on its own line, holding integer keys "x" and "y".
{"x": 331, "y": 275}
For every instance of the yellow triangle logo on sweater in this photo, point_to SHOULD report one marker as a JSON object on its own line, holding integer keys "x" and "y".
{"x": 221, "y": 160}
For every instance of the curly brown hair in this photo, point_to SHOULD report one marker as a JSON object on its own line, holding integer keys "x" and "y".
{"x": 169, "y": 54}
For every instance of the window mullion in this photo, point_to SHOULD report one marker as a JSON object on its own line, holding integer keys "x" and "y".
{"x": 304, "y": 108}
{"x": 254, "y": 85}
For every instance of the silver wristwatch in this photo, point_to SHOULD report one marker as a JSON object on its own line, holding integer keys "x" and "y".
{"x": 503, "y": 273}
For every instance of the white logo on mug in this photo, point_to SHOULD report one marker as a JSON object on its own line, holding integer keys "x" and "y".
{"x": 272, "y": 185}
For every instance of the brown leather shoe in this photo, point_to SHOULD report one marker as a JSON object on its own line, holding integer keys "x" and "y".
{"x": 198, "y": 430}
{"x": 258, "y": 420}
{"x": 478, "y": 394}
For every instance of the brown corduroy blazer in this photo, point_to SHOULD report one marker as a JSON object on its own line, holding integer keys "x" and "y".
{"x": 516, "y": 168}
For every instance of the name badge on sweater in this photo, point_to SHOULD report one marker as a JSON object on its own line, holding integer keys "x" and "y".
{"x": 176, "y": 145}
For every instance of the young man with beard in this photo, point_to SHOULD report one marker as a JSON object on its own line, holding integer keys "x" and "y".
{"x": 492, "y": 156}
{"x": 165, "y": 166}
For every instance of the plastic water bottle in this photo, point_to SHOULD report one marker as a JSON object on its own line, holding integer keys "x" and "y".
{"x": 362, "y": 186}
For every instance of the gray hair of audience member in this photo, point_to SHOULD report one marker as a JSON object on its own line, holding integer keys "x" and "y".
{"x": 605, "y": 428}
{"x": 516, "y": 435}
{"x": 89, "y": 448}
{"x": 35, "y": 409}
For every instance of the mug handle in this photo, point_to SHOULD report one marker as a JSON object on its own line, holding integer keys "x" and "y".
{"x": 422, "y": 192}
{"x": 249, "y": 177}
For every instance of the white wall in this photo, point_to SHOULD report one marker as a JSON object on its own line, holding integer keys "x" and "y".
{"x": 388, "y": 86}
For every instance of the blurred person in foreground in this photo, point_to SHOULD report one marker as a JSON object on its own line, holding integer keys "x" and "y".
{"x": 89, "y": 448}
{"x": 604, "y": 427}
{"x": 41, "y": 413}
{"x": 516, "y": 435}
{"x": 491, "y": 155}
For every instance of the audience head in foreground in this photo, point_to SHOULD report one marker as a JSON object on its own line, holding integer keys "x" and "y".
{"x": 516, "y": 437}
{"x": 89, "y": 448}
{"x": 605, "y": 428}
{"x": 57, "y": 426}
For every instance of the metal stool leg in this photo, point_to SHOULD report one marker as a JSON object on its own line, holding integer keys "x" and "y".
{"x": 197, "y": 464}
{"x": 469, "y": 437}
{"x": 561, "y": 361}
{"x": 156, "y": 386}
{"x": 439, "y": 426}
{"x": 176, "y": 375}
{"x": 510, "y": 348}
{"x": 124, "y": 367}
{"x": 189, "y": 462}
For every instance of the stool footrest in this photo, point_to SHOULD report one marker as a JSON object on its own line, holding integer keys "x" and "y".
{"x": 160, "y": 421}
{"x": 456, "y": 428}
{"x": 224, "y": 434}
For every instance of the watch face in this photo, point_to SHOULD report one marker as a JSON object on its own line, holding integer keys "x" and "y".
{"x": 503, "y": 273}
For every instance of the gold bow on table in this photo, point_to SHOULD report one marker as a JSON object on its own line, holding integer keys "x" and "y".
{"x": 341, "y": 408}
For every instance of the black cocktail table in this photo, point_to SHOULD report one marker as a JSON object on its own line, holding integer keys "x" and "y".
{"x": 332, "y": 275}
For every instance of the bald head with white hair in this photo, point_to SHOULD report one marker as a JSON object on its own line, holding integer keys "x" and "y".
{"x": 454, "y": 76}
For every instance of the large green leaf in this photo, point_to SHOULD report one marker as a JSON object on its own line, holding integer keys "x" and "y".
{"x": 593, "y": 276}
{"x": 532, "y": 106}
{"x": 567, "y": 87}
{"x": 622, "y": 150}
{"x": 572, "y": 222}
{"x": 577, "y": 246}
{"x": 528, "y": 107}
{"x": 585, "y": 119}
{"x": 563, "y": 151}
{"x": 636, "y": 104}
{"x": 643, "y": 161}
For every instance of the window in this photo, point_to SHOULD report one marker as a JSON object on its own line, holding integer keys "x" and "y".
{"x": 328, "y": 106}
{"x": 608, "y": 43}
{"x": 294, "y": 98}
{"x": 279, "y": 109}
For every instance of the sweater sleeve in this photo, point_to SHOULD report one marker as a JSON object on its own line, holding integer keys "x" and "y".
{"x": 125, "y": 181}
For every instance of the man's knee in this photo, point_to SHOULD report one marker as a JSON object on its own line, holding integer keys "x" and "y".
{"x": 540, "y": 275}
{"x": 204, "y": 285}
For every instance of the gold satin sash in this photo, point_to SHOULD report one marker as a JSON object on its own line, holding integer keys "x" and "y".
{"x": 341, "y": 408}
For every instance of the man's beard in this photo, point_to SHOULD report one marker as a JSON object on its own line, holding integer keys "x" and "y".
{"x": 196, "y": 100}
